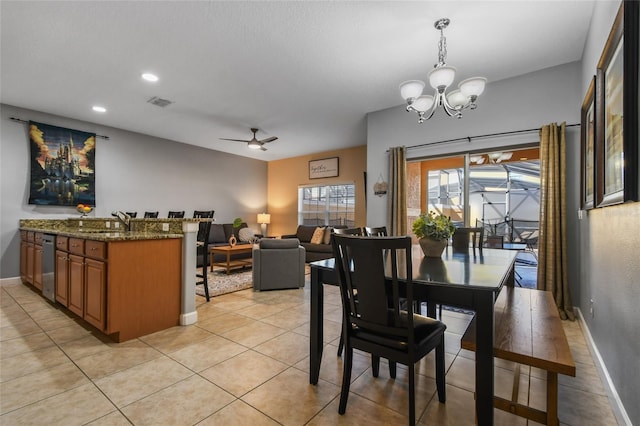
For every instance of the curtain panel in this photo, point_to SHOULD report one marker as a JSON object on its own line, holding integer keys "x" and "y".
{"x": 397, "y": 196}
{"x": 552, "y": 244}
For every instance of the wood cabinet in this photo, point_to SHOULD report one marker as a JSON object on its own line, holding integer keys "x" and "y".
{"x": 37, "y": 266}
{"x": 31, "y": 258}
{"x": 124, "y": 288}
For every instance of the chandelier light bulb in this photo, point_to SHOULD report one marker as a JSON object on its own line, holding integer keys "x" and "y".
{"x": 457, "y": 99}
{"x": 423, "y": 103}
{"x": 472, "y": 86}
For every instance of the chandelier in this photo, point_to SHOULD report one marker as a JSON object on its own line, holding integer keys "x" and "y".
{"x": 440, "y": 78}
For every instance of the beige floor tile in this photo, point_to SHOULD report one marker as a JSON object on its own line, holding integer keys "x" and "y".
{"x": 31, "y": 362}
{"x": 253, "y": 334}
{"x": 223, "y": 323}
{"x": 238, "y": 412}
{"x": 331, "y": 367}
{"x": 88, "y": 345}
{"x": 17, "y": 329}
{"x": 12, "y": 315}
{"x": 207, "y": 311}
{"x": 117, "y": 358}
{"x": 587, "y": 379}
{"x": 452, "y": 343}
{"x": 231, "y": 302}
{"x": 115, "y": 418}
{"x": 138, "y": 382}
{"x": 289, "y": 348}
{"x": 289, "y": 399}
{"x": 576, "y": 407}
{"x": 33, "y": 387}
{"x": 198, "y": 399}
{"x": 53, "y": 323}
{"x": 175, "y": 338}
{"x": 261, "y": 310}
{"x": 23, "y": 344}
{"x": 207, "y": 353}
{"x": 287, "y": 319}
{"x": 394, "y": 393}
{"x": 68, "y": 333}
{"x": 458, "y": 410}
{"x": 242, "y": 373}
{"x": 360, "y": 411}
{"x": 74, "y": 407}
{"x": 427, "y": 365}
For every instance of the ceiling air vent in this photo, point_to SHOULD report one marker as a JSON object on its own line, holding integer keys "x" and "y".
{"x": 159, "y": 102}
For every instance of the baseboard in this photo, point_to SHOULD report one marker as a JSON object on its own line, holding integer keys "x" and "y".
{"x": 616, "y": 404}
{"x": 189, "y": 318}
{"x": 10, "y": 281}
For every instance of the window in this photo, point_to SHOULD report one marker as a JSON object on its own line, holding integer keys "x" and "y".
{"x": 332, "y": 205}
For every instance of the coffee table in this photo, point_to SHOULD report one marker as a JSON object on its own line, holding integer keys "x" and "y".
{"x": 228, "y": 251}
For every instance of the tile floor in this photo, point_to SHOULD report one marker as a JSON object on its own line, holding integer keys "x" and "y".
{"x": 244, "y": 362}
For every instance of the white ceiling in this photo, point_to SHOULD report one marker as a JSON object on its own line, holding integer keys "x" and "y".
{"x": 305, "y": 71}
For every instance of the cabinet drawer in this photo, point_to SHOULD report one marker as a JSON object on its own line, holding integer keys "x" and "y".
{"x": 95, "y": 249}
{"x": 76, "y": 246}
{"x": 38, "y": 238}
{"x": 62, "y": 243}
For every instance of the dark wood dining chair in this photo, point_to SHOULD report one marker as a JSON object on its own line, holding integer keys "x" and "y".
{"x": 132, "y": 214}
{"x": 380, "y": 231}
{"x": 203, "y": 214}
{"x": 150, "y": 215}
{"x": 381, "y": 323}
{"x": 176, "y": 214}
{"x": 463, "y": 238}
{"x": 348, "y": 231}
{"x": 202, "y": 248}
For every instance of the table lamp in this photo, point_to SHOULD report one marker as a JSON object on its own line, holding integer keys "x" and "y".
{"x": 264, "y": 219}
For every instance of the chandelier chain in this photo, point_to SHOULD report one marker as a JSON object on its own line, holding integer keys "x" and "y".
{"x": 442, "y": 50}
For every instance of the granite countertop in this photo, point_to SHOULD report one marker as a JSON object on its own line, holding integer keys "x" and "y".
{"x": 95, "y": 228}
{"x": 106, "y": 235}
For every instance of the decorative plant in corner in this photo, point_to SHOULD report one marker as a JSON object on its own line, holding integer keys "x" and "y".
{"x": 433, "y": 231}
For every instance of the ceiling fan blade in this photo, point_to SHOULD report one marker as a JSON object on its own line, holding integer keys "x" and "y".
{"x": 271, "y": 139}
{"x": 263, "y": 148}
{"x": 235, "y": 140}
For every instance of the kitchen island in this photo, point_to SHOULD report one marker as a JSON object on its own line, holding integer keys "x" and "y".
{"x": 125, "y": 283}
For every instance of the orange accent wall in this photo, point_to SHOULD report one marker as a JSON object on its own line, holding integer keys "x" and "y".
{"x": 284, "y": 177}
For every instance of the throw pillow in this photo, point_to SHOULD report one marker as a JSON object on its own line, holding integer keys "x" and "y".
{"x": 246, "y": 234}
{"x": 327, "y": 234}
{"x": 318, "y": 236}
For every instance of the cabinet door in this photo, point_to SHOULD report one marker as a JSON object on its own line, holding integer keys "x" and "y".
{"x": 23, "y": 259}
{"x": 37, "y": 267}
{"x": 95, "y": 292}
{"x": 76, "y": 285}
{"x": 62, "y": 277}
{"x": 30, "y": 259}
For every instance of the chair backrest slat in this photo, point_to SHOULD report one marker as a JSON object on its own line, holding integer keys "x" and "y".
{"x": 203, "y": 214}
{"x": 369, "y": 271}
{"x": 380, "y": 231}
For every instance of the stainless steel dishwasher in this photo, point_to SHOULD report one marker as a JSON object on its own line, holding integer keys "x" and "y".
{"x": 48, "y": 266}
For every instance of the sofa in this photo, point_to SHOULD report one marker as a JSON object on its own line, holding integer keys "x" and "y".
{"x": 278, "y": 264}
{"x": 318, "y": 249}
{"x": 219, "y": 235}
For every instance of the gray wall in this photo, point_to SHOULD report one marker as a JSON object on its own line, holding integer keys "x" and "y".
{"x": 609, "y": 242}
{"x": 134, "y": 172}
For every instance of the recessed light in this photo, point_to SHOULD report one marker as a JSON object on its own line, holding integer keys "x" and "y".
{"x": 97, "y": 108}
{"x": 150, "y": 77}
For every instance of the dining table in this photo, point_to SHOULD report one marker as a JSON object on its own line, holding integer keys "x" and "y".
{"x": 470, "y": 280}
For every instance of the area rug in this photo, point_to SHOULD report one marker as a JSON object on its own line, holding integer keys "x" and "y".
{"x": 238, "y": 279}
{"x": 221, "y": 283}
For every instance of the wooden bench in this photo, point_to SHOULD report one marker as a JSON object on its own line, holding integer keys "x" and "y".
{"x": 528, "y": 331}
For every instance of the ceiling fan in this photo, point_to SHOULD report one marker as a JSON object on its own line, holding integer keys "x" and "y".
{"x": 254, "y": 143}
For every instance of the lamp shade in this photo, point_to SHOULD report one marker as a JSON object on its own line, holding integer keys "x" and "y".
{"x": 472, "y": 86}
{"x": 254, "y": 145}
{"x": 442, "y": 76}
{"x": 422, "y": 103}
{"x": 456, "y": 99}
{"x": 264, "y": 218}
{"x": 411, "y": 89}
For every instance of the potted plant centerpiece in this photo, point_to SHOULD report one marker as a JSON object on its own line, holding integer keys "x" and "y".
{"x": 433, "y": 231}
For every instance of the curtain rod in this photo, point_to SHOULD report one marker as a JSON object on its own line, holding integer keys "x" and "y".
{"x": 468, "y": 138}
{"x": 26, "y": 122}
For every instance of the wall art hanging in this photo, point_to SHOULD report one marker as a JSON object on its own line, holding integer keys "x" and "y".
{"x": 62, "y": 166}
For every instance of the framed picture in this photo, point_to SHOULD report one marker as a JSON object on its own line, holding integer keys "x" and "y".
{"x": 588, "y": 157}
{"x": 327, "y": 167}
{"x": 617, "y": 98}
